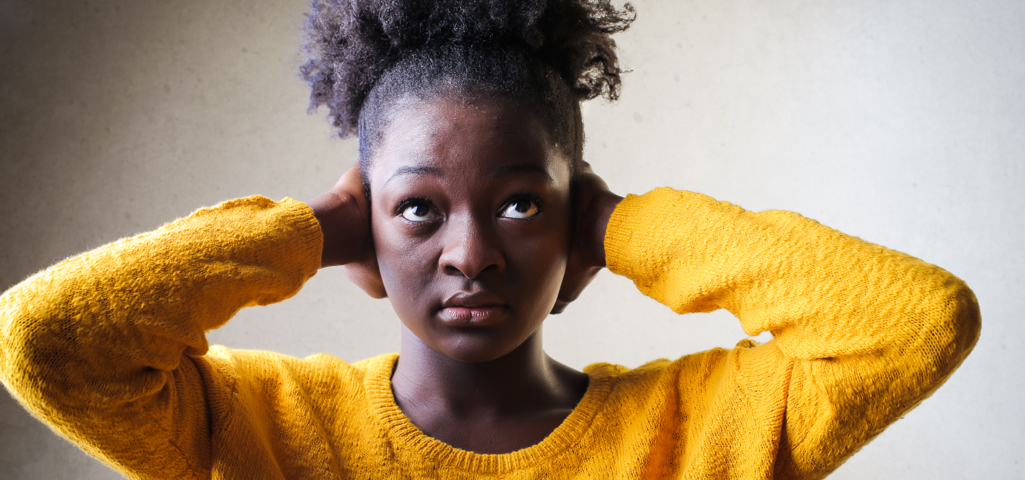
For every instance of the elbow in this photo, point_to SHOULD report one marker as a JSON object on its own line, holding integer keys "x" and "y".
{"x": 955, "y": 326}
{"x": 15, "y": 327}
{"x": 18, "y": 332}
{"x": 943, "y": 327}
{"x": 37, "y": 347}
{"x": 965, "y": 319}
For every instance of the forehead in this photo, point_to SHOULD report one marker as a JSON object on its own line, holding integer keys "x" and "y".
{"x": 469, "y": 138}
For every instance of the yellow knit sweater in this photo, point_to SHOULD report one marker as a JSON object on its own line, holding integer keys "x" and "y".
{"x": 108, "y": 348}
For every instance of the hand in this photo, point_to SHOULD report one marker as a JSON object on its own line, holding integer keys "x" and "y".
{"x": 593, "y": 204}
{"x": 344, "y": 216}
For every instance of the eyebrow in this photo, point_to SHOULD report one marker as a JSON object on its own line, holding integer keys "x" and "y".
{"x": 498, "y": 172}
{"x": 416, "y": 170}
{"x": 520, "y": 167}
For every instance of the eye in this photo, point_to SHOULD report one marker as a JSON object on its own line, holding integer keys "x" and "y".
{"x": 521, "y": 208}
{"x": 417, "y": 211}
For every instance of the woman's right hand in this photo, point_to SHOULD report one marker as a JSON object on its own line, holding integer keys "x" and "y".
{"x": 344, "y": 216}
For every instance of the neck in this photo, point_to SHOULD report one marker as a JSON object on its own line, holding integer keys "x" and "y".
{"x": 523, "y": 380}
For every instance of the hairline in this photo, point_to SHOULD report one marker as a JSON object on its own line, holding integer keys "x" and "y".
{"x": 471, "y": 92}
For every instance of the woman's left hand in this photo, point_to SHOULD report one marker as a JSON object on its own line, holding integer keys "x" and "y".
{"x": 593, "y": 204}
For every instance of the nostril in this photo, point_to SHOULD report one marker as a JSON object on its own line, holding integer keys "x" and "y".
{"x": 470, "y": 252}
{"x": 470, "y": 273}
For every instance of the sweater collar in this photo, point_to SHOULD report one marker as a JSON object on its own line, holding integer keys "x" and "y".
{"x": 411, "y": 444}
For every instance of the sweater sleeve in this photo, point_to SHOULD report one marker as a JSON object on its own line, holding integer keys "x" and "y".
{"x": 861, "y": 334}
{"x": 100, "y": 346}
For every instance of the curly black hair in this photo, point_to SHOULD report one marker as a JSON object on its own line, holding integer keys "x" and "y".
{"x": 551, "y": 54}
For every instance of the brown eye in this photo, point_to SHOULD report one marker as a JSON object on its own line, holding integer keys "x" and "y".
{"x": 521, "y": 208}
{"x": 419, "y": 212}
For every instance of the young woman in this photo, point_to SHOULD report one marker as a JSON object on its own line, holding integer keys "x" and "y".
{"x": 473, "y": 211}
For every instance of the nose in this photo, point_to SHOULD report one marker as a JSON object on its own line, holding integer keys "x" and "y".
{"x": 470, "y": 248}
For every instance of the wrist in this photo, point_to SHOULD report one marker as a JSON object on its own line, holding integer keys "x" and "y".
{"x": 335, "y": 215}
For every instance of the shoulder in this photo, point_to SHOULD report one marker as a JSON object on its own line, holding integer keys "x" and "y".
{"x": 271, "y": 374}
{"x": 696, "y": 373}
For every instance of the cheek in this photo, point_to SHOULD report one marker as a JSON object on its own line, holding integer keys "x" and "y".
{"x": 541, "y": 255}
{"x": 404, "y": 263}
{"x": 541, "y": 261}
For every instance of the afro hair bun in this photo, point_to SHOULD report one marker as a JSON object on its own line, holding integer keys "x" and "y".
{"x": 352, "y": 43}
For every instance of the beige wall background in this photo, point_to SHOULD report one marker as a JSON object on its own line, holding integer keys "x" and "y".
{"x": 899, "y": 122}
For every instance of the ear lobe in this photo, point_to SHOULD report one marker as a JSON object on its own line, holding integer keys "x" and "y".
{"x": 367, "y": 275}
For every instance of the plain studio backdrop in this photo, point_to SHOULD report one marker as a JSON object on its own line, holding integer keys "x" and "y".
{"x": 902, "y": 123}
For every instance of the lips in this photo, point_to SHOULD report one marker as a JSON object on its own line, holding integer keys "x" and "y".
{"x": 472, "y": 309}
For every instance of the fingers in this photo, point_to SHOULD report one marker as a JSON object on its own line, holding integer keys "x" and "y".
{"x": 350, "y": 178}
{"x": 351, "y": 183}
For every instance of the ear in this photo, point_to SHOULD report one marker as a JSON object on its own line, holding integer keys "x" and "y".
{"x": 367, "y": 276}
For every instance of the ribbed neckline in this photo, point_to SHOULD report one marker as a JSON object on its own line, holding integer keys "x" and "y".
{"x": 407, "y": 438}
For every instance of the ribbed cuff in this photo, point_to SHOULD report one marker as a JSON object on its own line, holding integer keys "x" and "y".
{"x": 618, "y": 233}
{"x": 310, "y": 239}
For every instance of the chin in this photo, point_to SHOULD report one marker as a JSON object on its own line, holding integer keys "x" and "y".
{"x": 473, "y": 348}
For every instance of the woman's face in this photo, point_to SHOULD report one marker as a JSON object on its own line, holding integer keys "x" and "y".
{"x": 471, "y": 218}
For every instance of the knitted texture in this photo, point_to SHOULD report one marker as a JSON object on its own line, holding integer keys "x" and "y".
{"x": 108, "y": 348}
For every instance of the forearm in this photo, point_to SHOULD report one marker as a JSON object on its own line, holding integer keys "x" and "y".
{"x": 821, "y": 293}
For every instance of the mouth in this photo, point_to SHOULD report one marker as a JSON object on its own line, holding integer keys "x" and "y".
{"x": 472, "y": 309}
{"x": 472, "y": 316}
